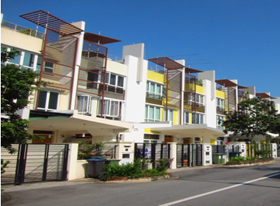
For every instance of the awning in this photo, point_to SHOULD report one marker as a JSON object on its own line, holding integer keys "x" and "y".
{"x": 229, "y": 83}
{"x": 168, "y": 63}
{"x": 76, "y": 122}
{"x": 265, "y": 95}
{"x": 190, "y": 130}
{"x": 99, "y": 39}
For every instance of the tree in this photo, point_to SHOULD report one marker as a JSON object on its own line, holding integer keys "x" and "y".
{"x": 16, "y": 86}
{"x": 254, "y": 116}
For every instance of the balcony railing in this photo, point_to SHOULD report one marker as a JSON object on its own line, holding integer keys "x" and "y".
{"x": 22, "y": 29}
{"x": 220, "y": 110}
{"x": 153, "y": 96}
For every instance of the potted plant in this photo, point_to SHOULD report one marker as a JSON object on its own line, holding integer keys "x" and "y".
{"x": 185, "y": 159}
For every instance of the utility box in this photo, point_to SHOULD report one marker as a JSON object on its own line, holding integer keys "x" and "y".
{"x": 219, "y": 158}
{"x": 274, "y": 150}
{"x": 207, "y": 154}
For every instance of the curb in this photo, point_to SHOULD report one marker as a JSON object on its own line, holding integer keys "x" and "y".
{"x": 5, "y": 197}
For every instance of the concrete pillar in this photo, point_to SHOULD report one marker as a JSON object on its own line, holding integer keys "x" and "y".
{"x": 72, "y": 161}
{"x": 173, "y": 154}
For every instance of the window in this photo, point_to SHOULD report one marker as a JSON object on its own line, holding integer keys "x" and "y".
{"x": 220, "y": 103}
{"x": 120, "y": 81}
{"x": 38, "y": 66}
{"x": 170, "y": 115}
{"x": 28, "y": 59}
{"x": 151, "y": 136}
{"x": 48, "y": 67}
{"x": 152, "y": 114}
{"x": 197, "y": 118}
{"x": 220, "y": 120}
{"x": 16, "y": 60}
{"x": 114, "y": 80}
{"x": 84, "y": 104}
{"x": 48, "y": 100}
{"x": 154, "y": 90}
{"x": 111, "y": 108}
{"x": 186, "y": 117}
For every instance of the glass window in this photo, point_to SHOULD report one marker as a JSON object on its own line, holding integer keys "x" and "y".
{"x": 16, "y": 60}
{"x": 157, "y": 117}
{"x": 147, "y": 89}
{"x": 107, "y": 77}
{"x": 28, "y": 59}
{"x": 53, "y": 100}
{"x": 114, "y": 108}
{"x": 151, "y": 113}
{"x": 187, "y": 119}
{"x": 146, "y": 113}
{"x": 106, "y": 107}
{"x": 193, "y": 118}
{"x": 48, "y": 67}
{"x": 42, "y": 99}
{"x": 170, "y": 115}
{"x": 38, "y": 66}
{"x": 120, "y": 81}
{"x": 158, "y": 89}
{"x": 113, "y": 79}
{"x": 48, "y": 100}
{"x": 82, "y": 104}
{"x": 152, "y": 88}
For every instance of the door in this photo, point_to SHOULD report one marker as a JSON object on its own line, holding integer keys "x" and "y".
{"x": 47, "y": 140}
{"x": 167, "y": 139}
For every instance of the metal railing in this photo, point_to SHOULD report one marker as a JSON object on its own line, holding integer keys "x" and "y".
{"x": 23, "y": 30}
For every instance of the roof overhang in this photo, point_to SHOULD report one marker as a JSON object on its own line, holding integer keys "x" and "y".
{"x": 228, "y": 83}
{"x": 47, "y": 20}
{"x": 265, "y": 95}
{"x": 99, "y": 39}
{"x": 76, "y": 122}
{"x": 190, "y": 130}
{"x": 168, "y": 63}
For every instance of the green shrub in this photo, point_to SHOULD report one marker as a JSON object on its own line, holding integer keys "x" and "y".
{"x": 133, "y": 170}
{"x": 163, "y": 164}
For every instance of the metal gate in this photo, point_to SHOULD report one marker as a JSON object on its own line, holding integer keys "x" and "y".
{"x": 189, "y": 155}
{"x": 153, "y": 151}
{"x": 41, "y": 162}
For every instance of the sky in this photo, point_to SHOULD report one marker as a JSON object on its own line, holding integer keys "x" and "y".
{"x": 239, "y": 39}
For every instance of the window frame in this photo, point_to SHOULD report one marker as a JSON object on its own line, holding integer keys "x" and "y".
{"x": 148, "y": 114}
{"x": 47, "y": 101}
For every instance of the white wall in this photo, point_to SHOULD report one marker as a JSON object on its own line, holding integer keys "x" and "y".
{"x": 210, "y": 105}
{"x": 78, "y": 57}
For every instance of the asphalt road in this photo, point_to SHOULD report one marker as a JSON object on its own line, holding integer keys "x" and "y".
{"x": 255, "y": 185}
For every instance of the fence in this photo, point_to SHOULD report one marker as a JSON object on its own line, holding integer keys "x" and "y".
{"x": 189, "y": 155}
{"x": 259, "y": 150}
{"x": 22, "y": 29}
{"x": 154, "y": 151}
{"x": 36, "y": 162}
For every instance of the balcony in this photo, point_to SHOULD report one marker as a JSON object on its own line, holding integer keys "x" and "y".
{"x": 220, "y": 110}
{"x": 153, "y": 98}
{"x": 190, "y": 105}
{"x": 23, "y": 30}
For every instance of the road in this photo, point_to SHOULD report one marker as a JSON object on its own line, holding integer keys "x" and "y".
{"x": 254, "y": 185}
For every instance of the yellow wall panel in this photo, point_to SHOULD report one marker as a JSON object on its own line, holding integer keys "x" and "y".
{"x": 220, "y": 94}
{"x": 212, "y": 141}
{"x": 154, "y": 76}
